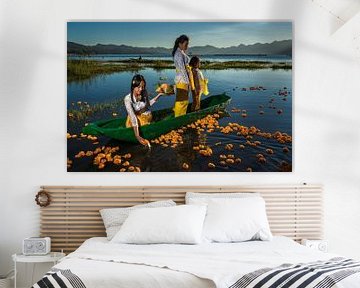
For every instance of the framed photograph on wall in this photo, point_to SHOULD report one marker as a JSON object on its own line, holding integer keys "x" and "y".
{"x": 176, "y": 96}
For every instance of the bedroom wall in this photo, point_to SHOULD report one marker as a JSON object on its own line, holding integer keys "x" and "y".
{"x": 33, "y": 104}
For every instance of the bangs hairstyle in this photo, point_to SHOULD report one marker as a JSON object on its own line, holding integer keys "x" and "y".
{"x": 135, "y": 82}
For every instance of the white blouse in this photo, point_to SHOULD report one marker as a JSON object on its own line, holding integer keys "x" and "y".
{"x": 180, "y": 60}
{"x": 136, "y": 106}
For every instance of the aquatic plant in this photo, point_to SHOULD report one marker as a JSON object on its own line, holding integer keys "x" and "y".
{"x": 81, "y": 69}
{"x": 80, "y": 111}
{"x": 78, "y": 70}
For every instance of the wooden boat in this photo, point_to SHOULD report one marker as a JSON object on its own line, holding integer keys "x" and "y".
{"x": 163, "y": 121}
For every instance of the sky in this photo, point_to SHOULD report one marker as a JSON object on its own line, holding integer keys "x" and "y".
{"x": 163, "y": 34}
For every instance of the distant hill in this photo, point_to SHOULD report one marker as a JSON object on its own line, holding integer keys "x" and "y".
{"x": 283, "y": 47}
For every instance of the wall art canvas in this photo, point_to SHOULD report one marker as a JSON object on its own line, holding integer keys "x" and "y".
{"x": 179, "y": 96}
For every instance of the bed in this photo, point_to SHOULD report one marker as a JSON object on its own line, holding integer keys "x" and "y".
{"x": 98, "y": 263}
{"x": 295, "y": 211}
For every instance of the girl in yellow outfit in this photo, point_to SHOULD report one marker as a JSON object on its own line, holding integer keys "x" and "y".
{"x": 200, "y": 83}
{"x": 137, "y": 104}
{"x": 183, "y": 78}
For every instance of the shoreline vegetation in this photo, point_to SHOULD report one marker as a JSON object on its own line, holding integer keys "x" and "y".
{"x": 82, "y": 69}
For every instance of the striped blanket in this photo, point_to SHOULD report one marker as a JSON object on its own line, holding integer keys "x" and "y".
{"x": 59, "y": 278}
{"x": 319, "y": 274}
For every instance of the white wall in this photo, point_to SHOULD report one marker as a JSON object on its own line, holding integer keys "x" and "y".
{"x": 33, "y": 107}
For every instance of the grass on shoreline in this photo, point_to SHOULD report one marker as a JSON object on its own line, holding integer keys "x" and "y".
{"x": 78, "y": 70}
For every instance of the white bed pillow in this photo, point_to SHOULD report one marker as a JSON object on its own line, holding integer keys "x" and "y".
{"x": 203, "y": 198}
{"x": 113, "y": 218}
{"x": 173, "y": 225}
{"x": 236, "y": 220}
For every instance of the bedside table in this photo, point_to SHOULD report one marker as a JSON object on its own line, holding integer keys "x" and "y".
{"x": 320, "y": 245}
{"x": 53, "y": 257}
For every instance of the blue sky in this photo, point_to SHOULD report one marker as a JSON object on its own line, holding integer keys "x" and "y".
{"x": 163, "y": 34}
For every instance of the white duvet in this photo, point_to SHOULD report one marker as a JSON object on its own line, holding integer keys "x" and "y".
{"x": 100, "y": 263}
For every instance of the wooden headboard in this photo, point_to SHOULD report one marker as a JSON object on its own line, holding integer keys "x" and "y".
{"x": 73, "y": 214}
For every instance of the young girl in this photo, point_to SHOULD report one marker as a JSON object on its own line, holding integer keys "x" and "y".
{"x": 200, "y": 83}
{"x": 182, "y": 80}
{"x": 138, "y": 105}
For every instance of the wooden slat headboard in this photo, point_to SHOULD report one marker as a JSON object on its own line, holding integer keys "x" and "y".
{"x": 73, "y": 214}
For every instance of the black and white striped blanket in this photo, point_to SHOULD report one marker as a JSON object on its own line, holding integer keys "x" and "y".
{"x": 319, "y": 274}
{"x": 59, "y": 278}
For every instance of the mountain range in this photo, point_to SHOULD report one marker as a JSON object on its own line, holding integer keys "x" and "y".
{"x": 283, "y": 47}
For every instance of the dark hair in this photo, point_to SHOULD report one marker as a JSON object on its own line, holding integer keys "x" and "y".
{"x": 194, "y": 60}
{"x": 180, "y": 39}
{"x": 135, "y": 82}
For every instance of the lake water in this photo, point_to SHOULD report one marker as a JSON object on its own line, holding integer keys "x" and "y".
{"x": 220, "y": 58}
{"x": 115, "y": 86}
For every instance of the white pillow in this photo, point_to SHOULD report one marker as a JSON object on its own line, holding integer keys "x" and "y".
{"x": 203, "y": 198}
{"x": 236, "y": 220}
{"x": 180, "y": 224}
{"x": 113, "y": 218}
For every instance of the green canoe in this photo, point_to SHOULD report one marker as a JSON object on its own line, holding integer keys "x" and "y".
{"x": 163, "y": 121}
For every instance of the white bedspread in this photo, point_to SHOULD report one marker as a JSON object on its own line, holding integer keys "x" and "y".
{"x": 102, "y": 264}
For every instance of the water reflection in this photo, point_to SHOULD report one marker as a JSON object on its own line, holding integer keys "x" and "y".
{"x": 262, "y": 111}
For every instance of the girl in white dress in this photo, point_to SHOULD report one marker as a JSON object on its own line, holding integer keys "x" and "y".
{"x": 138, "y": 105}
{"x": 183, "y": 81}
